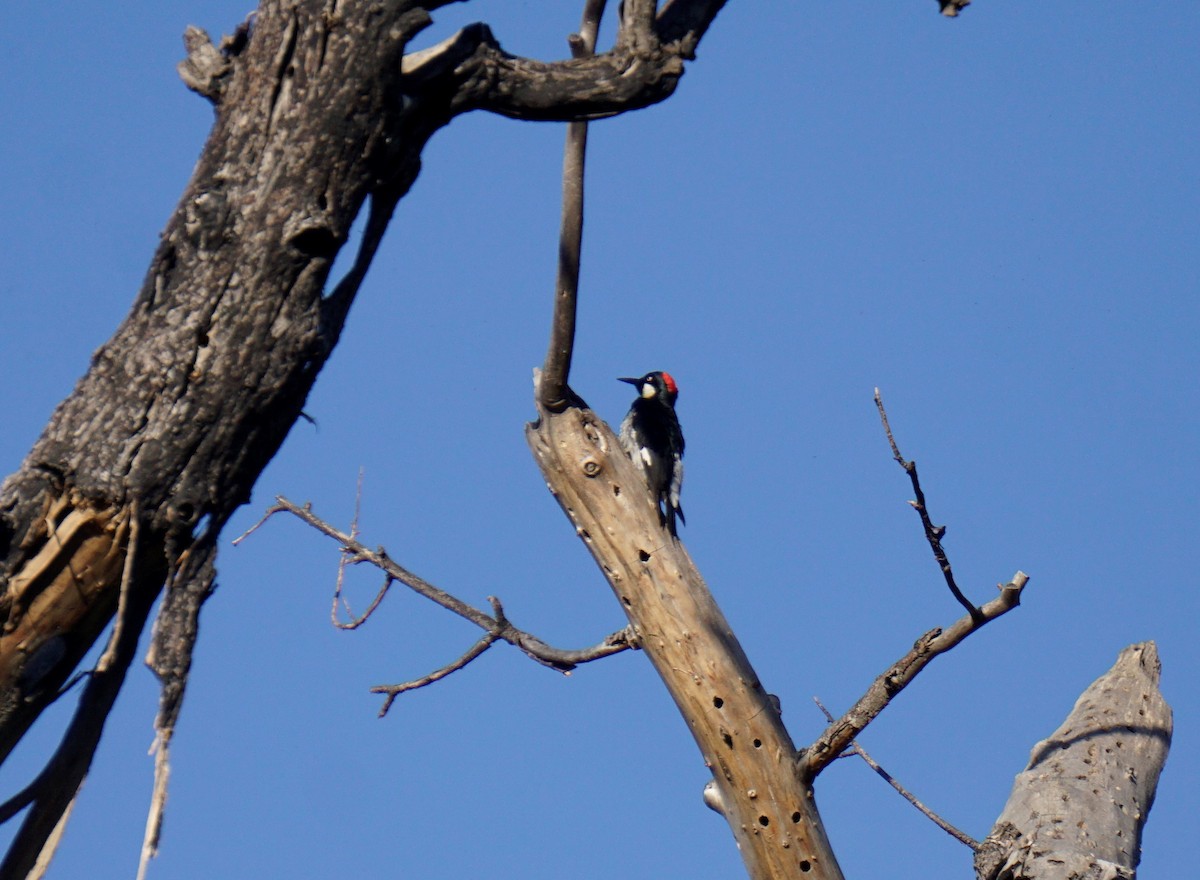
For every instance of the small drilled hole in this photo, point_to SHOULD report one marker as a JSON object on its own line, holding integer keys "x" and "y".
{"x": 764, "y": 821}
{"x": 643, "y": 556}
{"x": 718, "y": 702}
{"x": 796, "y": 816}
{"x": 728, "y": 739}
{"x": 758, "y": 744}
{"x": 805, "y": 865}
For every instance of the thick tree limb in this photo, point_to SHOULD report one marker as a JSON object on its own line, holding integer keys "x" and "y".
{"x": 565, "y": 91}
{"x": 553, "y": 392}
{"x": 317, "y": 113}
{"x": 62, "y": 596}
{"x": 197, "y": 389}
{"x": 200, "y": 384}
{"x": 1078, "y": 809}
{"x": 642, "y": 69}
{"x": 769, "y": 806}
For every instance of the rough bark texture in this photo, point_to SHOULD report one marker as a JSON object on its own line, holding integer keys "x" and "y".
{"x": 317, "y": 112}
{"x": 191, "y": 398}
{"x": 756, "y": 783}
{"x": 1077, "y": 811}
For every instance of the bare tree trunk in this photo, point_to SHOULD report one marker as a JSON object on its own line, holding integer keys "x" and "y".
{"x": 1079, "y": 807}
{"x": 756, "y": 781}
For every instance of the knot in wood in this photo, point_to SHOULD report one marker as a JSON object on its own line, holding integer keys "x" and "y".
{"x": 591, "y": 467}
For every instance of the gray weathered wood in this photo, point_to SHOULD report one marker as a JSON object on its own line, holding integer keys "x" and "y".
{"x": 1078, "y": 809}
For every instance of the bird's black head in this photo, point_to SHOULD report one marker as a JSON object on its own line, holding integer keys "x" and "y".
{"x": 658, "y": 385}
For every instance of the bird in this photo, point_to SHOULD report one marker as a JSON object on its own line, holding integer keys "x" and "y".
{"x": 651, "y": 436}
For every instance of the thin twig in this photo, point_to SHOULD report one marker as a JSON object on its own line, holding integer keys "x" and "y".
{"x": 960, "y": 836}
{"x": 348, "y": 559}
{"x": 341, "y": 572}
{"x": 556, "y": 658}
{"x": 838, "y": 736}
{"x": 933, "y": 534}
{"x": 395, "y": 690}
{"x": 158, "y": 799}
{"x": 356, "y": 622}
{"x": 46, "y": 856}
{"x": 552, "y": 386}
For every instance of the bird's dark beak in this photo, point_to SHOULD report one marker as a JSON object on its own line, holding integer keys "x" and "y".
{"x": 631, "y": 381}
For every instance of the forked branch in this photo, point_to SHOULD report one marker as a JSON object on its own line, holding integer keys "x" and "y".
{"x": 842, "y": 733}
{"x": 496, "y": 624}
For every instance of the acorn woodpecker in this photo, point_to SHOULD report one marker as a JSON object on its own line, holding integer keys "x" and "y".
{"x": 651, "y": 436}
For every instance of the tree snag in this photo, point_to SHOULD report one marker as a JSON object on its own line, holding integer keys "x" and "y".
{"x": 756, "y": 783}
{"x": 1078, "y": 809}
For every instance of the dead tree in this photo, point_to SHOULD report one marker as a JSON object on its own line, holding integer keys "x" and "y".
{"x": 1078, "y": 809}
{"x": 322, "y": 112}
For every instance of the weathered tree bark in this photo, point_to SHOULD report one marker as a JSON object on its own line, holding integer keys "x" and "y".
{"x": 318, "y": 112}
{"x": 1079, "y": 807}
{"x": 756, "y": 783}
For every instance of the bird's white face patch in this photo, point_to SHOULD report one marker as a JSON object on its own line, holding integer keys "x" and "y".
{"x": 648, "y": 390}
{"x": 645, "y": 455}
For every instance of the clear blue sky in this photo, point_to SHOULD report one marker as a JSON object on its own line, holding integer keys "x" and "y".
{"x": 994, "y": 219}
